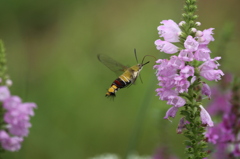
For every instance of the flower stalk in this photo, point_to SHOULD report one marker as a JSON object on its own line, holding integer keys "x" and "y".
{"x": 195, "y": 145}
{"x": 180, "y": 77}
{"x": 3, "y": 66}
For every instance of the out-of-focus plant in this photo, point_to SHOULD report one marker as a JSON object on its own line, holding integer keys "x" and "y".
{"x": 225, "y": 107}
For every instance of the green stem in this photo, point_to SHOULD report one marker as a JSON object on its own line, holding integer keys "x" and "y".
{"x": 3, "y": 66}
{"x": 3, "y": 77}
{"x": 195, "y": 143}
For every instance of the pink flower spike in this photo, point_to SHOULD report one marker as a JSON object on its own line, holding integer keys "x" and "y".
{"x": 191, "y": 44}
{"x": 169, "y": 30}
{"x": 171, "y": 112}
{"x": 166, "y": 47}
{"x": 205, "y": 117}
{"x": 4, "y": 93}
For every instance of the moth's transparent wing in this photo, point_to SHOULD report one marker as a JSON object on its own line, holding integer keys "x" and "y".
{"x": 112, "y": 64}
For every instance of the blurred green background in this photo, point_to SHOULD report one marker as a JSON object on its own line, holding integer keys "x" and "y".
{"x": 52, "y": 49}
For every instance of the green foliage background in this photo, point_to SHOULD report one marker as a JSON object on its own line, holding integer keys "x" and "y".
{"x": 51, "y": 49}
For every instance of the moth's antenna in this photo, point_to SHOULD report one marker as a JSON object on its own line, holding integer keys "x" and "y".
{"x": 135, "y": 52}
{"x": 148, "y": 61}
{"x": 145, "y": 63}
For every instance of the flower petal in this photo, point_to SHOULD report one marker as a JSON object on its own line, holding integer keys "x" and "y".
{"x": 169, "y": 30}
{"x": 191, "y": 44}
{"x": 166, "y": 47}
{"x": 205, "y": 117}
{"x": 171, "y": 112}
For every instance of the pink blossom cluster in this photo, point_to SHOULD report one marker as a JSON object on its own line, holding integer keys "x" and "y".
{"x": 224, "y": 134}
{"x": 177, "y": 74}
{"x": 16, "y": 117}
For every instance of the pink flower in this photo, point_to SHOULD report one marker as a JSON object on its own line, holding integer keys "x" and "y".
{"x": 162, "y": 64}
{"x": 164, "y": 93}
{"x": 182, "y": 85}
{"x": 236, "y": 151}
{"x": 207, "y": 35}
{"x": 176, "y": 101}
{"x": 167, "y": 72}
{"x": 169, "y": 31}
{"x": 166, "y": 82}
{"x": 212, "y": 74}
{"x": 166, "y": 47}
{"x": 4, "y": 93}
{"x": 181, "y": 125}
{"x": 10, "y": 143}
{"x": 207, "y": 70}
{"x": 191, "y": 44}
{"x": 20, "y": 129}
{"x": 205, "y": 117}
{"x": 12, "y": 102}
{"x": 171, "y": 112}
{"x": 202, "y": 54}
{"x": 187, "y": 71}
{"x": 186, "y": 55}
{"x": 206, "y": 90}
{"x": 18, "y": 118}
{"x": 213, "y": 134}
{"x": 176, "y": 62}
{"x": 27, "y": 108}
{"x": 220, "y": 102}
